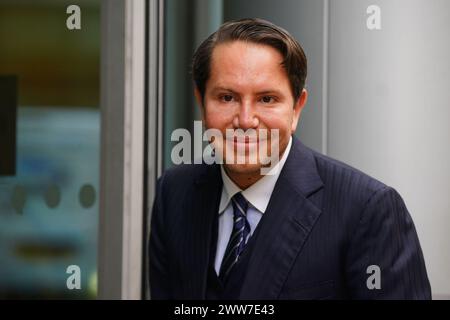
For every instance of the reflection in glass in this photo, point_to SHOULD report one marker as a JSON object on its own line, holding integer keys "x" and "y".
{"x": 52, "y": 197}
{"x": 87, "y": 196}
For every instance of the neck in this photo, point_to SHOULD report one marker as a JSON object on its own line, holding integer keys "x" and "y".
{"x": 243, "y": 180}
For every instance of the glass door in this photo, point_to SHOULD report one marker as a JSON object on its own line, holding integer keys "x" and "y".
{"x": 50, "y": 148}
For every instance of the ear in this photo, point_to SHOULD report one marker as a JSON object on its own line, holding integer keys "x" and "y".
{"x": 198, "y": 98}
{"x": 298, "y": 107}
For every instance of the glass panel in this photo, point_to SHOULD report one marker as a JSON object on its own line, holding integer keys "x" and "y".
{"x": 50, "y": 138}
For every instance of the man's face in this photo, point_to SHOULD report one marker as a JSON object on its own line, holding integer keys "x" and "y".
{"x": 248, "y": 88}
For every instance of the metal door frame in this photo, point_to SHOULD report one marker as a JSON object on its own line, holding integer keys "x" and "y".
{"x": 131, "y": 104}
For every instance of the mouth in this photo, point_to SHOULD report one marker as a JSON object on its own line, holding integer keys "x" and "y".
{"x": 244, "y": 140}
{"x": 245, "y": 144}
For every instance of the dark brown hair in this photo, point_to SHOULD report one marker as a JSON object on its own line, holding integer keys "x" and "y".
{"x": 256, "y": 31}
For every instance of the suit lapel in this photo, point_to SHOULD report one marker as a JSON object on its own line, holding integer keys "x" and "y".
{"x": 284, "y": 228}
{"x": 205, "y": 207}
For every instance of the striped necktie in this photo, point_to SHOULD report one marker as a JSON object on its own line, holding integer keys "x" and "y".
{"x": 238, "y": 238}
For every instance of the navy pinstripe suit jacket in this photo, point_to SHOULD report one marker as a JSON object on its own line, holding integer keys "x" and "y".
{"x": 325, "y": 225}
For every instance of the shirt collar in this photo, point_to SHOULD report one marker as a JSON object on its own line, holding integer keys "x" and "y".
{"x": 259, "y": 193}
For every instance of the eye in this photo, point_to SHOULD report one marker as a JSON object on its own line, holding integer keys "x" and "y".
{"x": 267, "y": 99}
{"x": 227, "y": 98}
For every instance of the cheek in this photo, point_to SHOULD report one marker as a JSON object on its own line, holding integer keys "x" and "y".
{"x": 214, "y": 122}
{"x": 216, "y": 118}
{"x": 279, "y": 120}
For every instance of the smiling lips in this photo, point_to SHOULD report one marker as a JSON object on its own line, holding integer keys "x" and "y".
{"x": 245, "y": 143}
{"x": 245, "y": 140}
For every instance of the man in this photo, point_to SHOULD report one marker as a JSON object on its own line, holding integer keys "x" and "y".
{"x": 313, "y": 229}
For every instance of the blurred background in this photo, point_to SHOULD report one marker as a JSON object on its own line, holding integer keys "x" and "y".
{"x": 49, "y": 207}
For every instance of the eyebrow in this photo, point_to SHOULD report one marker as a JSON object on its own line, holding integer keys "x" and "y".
{"x": 273, "y": 91}
{"x": 215, "y": 89}
{"x": 269, "y": 91}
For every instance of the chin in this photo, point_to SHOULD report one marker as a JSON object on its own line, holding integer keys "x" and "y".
{"x": 243, "y": 168}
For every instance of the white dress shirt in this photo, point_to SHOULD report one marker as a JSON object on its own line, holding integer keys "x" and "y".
{"x": 258, "y": 196}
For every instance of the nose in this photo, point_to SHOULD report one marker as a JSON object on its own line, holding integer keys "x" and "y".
{"x": 246, "y": 117}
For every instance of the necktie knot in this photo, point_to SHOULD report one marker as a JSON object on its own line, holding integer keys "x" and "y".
{"x": 240, "y": 206}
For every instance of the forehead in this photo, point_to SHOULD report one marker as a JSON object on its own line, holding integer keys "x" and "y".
{"x": 240, "y": 63}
